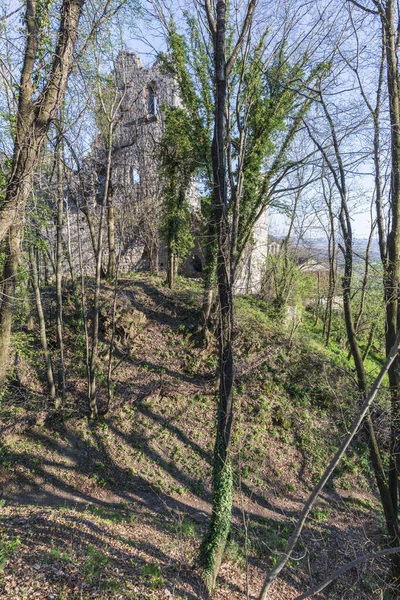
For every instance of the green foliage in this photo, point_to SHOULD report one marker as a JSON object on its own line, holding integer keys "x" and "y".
{"x": 284, "y": 282}
{"x": 153, "y": 575}
{"x": 24, "y": 344}
{"x": 234, "y": 552}
{"x": 94, "y": 564}
{"x": 186, "y": 140}
{"x": 7, "y": 549}
{"x": 188, "y": 62}
{"x": 268, "y": 535}
{"x": 265, "y": 112}
{"x": 56, "y": 553}
{"x": 183, "y": 526}
{"x": 272, "y": 108}
{"x": 178, "y": 167}
{"x": 214, "y": 544}
{"x": 320, "y": 514}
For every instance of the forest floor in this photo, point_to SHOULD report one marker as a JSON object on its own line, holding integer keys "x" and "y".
{"x": 117, "y": 508}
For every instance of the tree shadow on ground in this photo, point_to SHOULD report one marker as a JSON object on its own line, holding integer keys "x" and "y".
{"x": 90, "y": 471}
{"x": 107, "y": 557}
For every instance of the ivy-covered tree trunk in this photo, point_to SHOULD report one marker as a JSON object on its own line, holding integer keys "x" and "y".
{"x": 172, "y": 270}
{"x": 178, "y": 167}
{"x": 214, "y": 544}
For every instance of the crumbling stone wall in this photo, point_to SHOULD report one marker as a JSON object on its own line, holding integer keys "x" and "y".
{"x": 136, "y": 186}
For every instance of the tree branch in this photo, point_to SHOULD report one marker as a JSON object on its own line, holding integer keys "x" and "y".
{"x": 347, "y": 567}
{"x": 273, "y": 574}
{"x": 210, "y": 18}
{"x": 245, "y": 28}
{"x": 365, "y": 8}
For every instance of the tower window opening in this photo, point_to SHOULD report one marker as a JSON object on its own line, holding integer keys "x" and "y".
{"x": 135, "y": 176}
{"x": 151, "y": 102}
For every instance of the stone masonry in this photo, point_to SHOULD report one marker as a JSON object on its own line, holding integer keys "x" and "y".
{"x": 136, "y": 187}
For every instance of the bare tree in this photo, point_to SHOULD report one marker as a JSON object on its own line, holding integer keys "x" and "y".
{"x": 364, "y": 410}
{"x": 39, "y": 99}
{"x": 337, "y": 169}
{"x": 387, "y": 13}
{"x": 35, "y": 113}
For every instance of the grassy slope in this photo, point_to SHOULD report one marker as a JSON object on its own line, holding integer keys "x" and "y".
{"x": 116, "y": 509}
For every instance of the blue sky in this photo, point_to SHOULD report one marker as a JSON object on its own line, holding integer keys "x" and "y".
{"x": 144, "y": 38}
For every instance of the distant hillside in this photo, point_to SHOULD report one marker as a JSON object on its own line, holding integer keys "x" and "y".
{"x": 318, "y": 247}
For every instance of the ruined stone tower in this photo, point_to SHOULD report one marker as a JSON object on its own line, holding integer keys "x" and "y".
{"x": 136, "y": 186}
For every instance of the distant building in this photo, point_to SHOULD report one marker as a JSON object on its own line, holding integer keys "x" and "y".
{"x": 312, "y": 265}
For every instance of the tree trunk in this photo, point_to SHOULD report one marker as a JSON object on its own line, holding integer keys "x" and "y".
{"x": 214, "y": 544}
{"x": 365, "y": 408}
{"x": 331, "y": 286}
{"x": 209, "y": 275}
{"x": 95, "y": 325}
{"x": 384, "y": 485}
{"x": 393, "y": 246}
{"x": 172, "y": 270}
{"x": 60, "y": 219}
{"x": 112, "y": 264}
{"x": 34, "y": 117}
{"x": 42, "y": 327}
{"x": 10, "y": 273}
{"x": 153, "y": 256}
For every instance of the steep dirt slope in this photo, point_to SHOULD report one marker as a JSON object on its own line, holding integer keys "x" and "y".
{"x": 117, "y": 508}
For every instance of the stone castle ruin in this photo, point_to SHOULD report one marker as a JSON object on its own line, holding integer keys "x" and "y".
{"x": 136, "y": 186}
